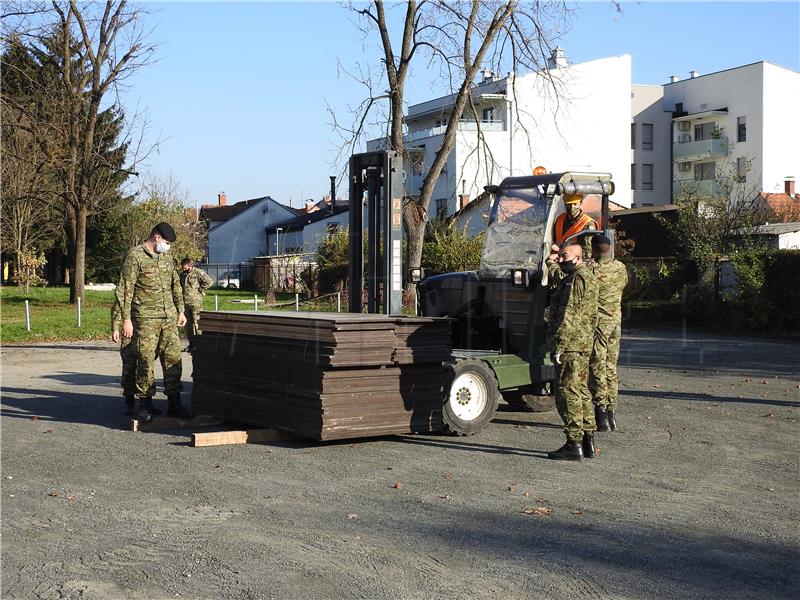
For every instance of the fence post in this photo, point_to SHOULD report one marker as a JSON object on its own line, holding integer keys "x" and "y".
{"x": 338, "y": 301}
{"x": 297, "y": 302}
{"x": 79, "y": 312}
{"x": 255, "y": 302}
{"x": 216, "y": 302}
{"x": 27, "y": 316}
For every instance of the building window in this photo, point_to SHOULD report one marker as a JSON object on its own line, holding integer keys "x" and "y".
{"x": 741, "y": 169}
{"x": 633, "y": 176}
{"x": 647, "y": 136}
{"x": 703, "y": 132}
{"x": 647, "y": 177}
{"x": 704, "y": 171}
{"x": 741, "y": 129}
{"x": 488, "y": 114}
{"x": 441, "y": 207}
{"x": 633, "y": 136}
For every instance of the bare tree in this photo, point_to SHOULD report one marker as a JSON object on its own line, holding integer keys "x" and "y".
{"x": 458, "y": 39}
{"x": 93, "y": 48}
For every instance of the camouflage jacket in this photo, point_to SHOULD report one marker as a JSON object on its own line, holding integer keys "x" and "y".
{"x": 149, "y": 286}
{"x": 195, "y": 283}
{"x": 576, "y": 315}
{"x": 612, "y": 277}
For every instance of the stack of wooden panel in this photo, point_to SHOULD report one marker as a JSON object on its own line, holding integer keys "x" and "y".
{"x": 323, "y": 376}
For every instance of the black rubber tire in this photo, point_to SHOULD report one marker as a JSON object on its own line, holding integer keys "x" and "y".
{"x": 231, "y": 286}
{"x": 529, "y": 402}
{"x": 452, "y": 424}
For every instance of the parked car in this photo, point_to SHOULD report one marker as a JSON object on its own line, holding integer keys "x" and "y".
{"x": 230, "y": 280}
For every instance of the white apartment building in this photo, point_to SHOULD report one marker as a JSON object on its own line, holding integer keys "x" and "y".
{"x": 570, "y": 117}
{"x": 740, "y": 123}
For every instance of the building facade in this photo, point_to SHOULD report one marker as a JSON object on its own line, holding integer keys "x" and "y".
{"x": 570, "y": 117}
{"x": 736, "y": 128}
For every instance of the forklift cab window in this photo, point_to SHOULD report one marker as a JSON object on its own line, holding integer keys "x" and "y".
{"x": 515, "y": 233}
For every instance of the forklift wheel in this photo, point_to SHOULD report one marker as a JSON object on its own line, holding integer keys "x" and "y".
{"x": 471, "y": 398}
{"x": 529, "y": 402}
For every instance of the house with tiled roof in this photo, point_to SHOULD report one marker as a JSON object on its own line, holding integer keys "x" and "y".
{"x": 236, "y": 231}
{"x": 303, "y": 233}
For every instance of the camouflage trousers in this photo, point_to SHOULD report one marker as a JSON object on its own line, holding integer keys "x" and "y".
{"x": 573, "y": 399}
{"x": 127, "y": 352}
{"x": 157, "y": 339}
{"x": 603, "y": 364}
{"x": 192, "y": 328}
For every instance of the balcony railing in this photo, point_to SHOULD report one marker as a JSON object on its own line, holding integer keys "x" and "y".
{"x": 701, "y": 149}
{"x": 706, "y": 188}
{"x": 464, "y": 125}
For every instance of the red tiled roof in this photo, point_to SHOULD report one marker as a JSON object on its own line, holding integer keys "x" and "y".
{"x": 214, "y": 212}
{"x": 781, "y": 203}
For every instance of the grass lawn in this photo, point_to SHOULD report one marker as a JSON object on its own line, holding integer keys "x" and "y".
{"x": 54, "y": 319}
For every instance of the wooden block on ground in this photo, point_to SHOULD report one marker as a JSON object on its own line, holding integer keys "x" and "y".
{"x": 160, "y": 423}
{"x": 250, "y": 436}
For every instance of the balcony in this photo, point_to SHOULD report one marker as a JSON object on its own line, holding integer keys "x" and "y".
{"x": 464, "y": 125}
{"x": 710, "y": 148}
{"x": 706, "y": 188}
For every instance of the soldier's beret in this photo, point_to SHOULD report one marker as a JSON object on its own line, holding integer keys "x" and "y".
{"x": 600, "y": 240}
{"x": 166, "y": 231}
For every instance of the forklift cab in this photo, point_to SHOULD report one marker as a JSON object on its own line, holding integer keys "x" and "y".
{"x": 497, "y": 312}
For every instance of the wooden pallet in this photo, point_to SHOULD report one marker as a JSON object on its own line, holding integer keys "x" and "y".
{"x": 211, "y": 438}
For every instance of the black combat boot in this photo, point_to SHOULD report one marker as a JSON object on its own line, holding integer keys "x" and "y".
{"x": 612, "y": 422}
{"x": 587, "y": 445}
{"x": 130, "y": 405}
{"x": 176, "y": 409}
{"x": 569, "y": 451}
{"x": 601, "y": 418}
{"x": 146, "y": 407}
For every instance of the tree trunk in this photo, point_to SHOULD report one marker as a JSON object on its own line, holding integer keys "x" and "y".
{"x": 414, "y": 219}
{"x": 78, "y": 283}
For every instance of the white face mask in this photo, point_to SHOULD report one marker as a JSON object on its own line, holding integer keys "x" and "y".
{"x": 162, "y": 247}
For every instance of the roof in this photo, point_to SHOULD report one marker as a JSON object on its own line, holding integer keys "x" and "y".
{"x": 213, "y": 212}
{"x": 645, "y": 209}
{"x": 770, "y": 229}
{"x": 309, "y": 218}
{"x": 780, "y": 203}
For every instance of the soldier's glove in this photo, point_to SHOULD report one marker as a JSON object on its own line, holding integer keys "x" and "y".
{"x": 556, "y": 359}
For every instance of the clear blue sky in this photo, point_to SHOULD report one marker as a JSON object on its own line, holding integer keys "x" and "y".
{"x": 238, "y": 95}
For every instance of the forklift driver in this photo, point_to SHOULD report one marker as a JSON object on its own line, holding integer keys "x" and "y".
{"x": 573, "y": 221}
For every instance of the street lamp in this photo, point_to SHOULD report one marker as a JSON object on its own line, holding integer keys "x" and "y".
{"x": 278, "y": 240}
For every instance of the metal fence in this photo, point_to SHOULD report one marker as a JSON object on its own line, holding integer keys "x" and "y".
{"x": 235, "y": 276}
{"x": 295, "y": 273}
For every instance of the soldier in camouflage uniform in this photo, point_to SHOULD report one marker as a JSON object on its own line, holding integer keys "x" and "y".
{"x": 195, "y": 282}
{"x": 152, "y": 310}
{"x": 574, "y": 323}
{"x": 612, "y": 277}
{"x": 127, "y": 352}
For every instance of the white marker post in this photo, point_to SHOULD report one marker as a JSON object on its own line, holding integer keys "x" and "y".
{"x": 216, "y": 302}
{"x": 79, "y": 313}
{"x": 255, "y": 302}
{"x": 339, "y": 302}
{"x": 27, "y": 316}
{"x": 297, "y": 302}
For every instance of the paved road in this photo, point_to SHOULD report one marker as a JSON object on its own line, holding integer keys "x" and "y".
{"x": 695, "y": 497}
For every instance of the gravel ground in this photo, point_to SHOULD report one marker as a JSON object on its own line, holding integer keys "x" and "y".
{"x": 695, "y": 497}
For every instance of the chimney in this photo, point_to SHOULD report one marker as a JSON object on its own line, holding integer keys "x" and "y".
{"x": 674, "y": 78}
{"x": 694, "y": 74}
{"x": 557, "y": 60}
{"x": 221, "y": 199}
{"x": 463, "y": 200}
{"x": 488, "y": 75}
{"x": 333, "y": 192}
{"x": 788, "y": 186}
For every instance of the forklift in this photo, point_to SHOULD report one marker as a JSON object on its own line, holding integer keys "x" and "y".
{"x": 499, "y": 330}
{"x": 497, "y": 313}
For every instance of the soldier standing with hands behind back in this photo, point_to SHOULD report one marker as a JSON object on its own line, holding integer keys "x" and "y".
{"x": 152, "y": 310}
{"x": 574, "y": 324}
{"x": 195, "y": 282}
{"x": 612, "y": 277}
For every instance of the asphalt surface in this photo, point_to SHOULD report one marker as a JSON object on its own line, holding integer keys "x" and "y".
{"x": 695, "y": 497}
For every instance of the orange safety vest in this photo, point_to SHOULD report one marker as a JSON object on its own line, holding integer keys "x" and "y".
{"x": 584, "y": 222}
